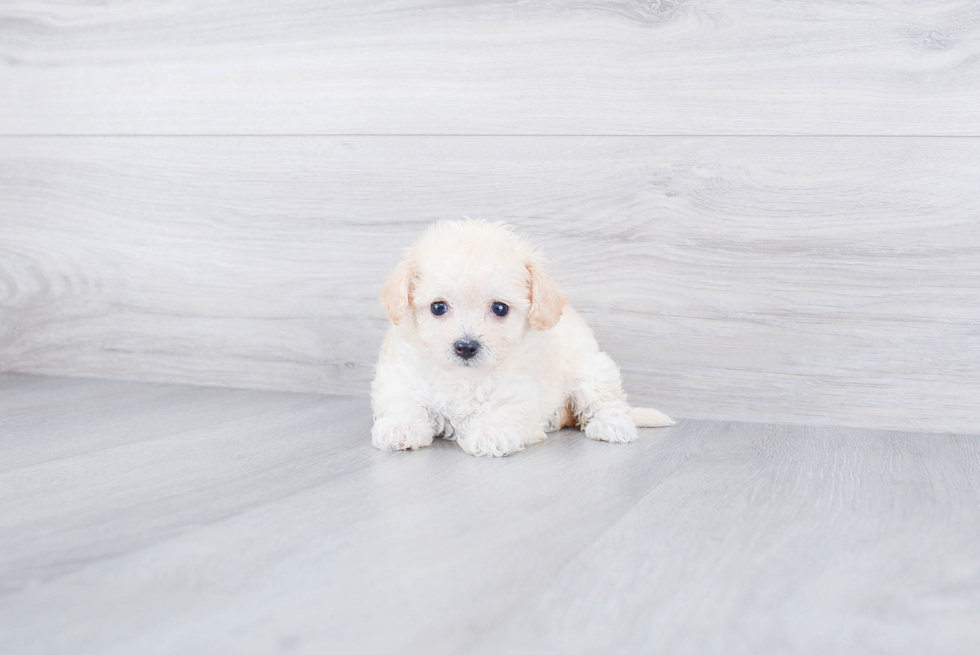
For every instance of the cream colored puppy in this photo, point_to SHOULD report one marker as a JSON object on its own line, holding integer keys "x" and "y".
{"x": 483, "y": 349}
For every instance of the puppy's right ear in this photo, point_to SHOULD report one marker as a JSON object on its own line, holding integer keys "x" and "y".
{"x": 396, "y": 293}
{"x": 547, "y": 301}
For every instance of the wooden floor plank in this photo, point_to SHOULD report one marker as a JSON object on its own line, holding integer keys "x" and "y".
{"x": 61, "y": 515}
{"x": 66, "y": 417}
{"x": 797, "y": 540}
{"x": 285, "y": 530}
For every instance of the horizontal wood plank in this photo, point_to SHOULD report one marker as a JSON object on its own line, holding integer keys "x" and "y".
{"x": 113, "y": 413}
{"x": 464, "y": 67}
{"x": 784, "y": 279}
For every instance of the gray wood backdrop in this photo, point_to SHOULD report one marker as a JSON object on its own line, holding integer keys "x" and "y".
{"x": 768, "y": 211}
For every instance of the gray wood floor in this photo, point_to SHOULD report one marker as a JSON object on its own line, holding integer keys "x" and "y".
{"x": 149, "y": 518}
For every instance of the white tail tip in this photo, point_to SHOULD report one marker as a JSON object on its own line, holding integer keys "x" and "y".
{"x": 650, "y": 418}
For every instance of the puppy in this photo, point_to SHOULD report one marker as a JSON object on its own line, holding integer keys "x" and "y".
{"x": 484, "y": 350}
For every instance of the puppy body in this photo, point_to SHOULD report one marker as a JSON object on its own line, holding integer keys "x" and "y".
{"x": 484, "y": 349}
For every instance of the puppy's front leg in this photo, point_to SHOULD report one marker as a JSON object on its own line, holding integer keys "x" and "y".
{"x": 501, "y": 431}
{"x": 403, "y": 427}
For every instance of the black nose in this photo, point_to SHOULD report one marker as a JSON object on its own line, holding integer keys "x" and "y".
{"x": 466, "y": 348}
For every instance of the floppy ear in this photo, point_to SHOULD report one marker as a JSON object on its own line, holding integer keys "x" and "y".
{"x": 396, "y": 292}
{"x": 547, "y": 302}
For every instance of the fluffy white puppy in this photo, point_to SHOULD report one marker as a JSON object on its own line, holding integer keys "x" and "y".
{"x": 483, "y": 349}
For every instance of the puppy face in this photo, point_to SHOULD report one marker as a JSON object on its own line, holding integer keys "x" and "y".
{"x": 471, "y": 290}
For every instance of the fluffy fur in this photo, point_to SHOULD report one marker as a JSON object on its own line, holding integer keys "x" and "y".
{"x": 538, "y": 368}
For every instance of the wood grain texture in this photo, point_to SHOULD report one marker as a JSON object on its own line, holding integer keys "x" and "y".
{"x": 489, "y": 67}
{"x": 844, "y": 534}
{"x": 274, "y": 526}
{"x": 116, "y": 413}
{"x": 823, "y": 280}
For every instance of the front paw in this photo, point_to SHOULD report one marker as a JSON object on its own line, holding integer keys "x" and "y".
{"x": 498, "y": 438}
{"x": 611, "y": 424}
{"x": 400, "y": 433}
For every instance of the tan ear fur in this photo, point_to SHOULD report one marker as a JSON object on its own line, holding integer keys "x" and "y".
{"x": 396, "y": 292}
{"x": 547, "y": 302}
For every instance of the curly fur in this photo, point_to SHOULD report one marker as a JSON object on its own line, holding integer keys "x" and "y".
{"x": 538, "y": 368}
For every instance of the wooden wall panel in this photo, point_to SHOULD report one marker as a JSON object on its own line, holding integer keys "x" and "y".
{"x": 486, "y": 67}
{"x": 818, "y": 280}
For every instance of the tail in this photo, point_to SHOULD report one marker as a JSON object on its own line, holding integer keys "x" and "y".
{"x": 650, "y": 418}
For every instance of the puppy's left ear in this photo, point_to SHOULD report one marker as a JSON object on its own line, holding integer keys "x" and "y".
{"x": 396, "y": 292}
{"x": 547, "y": 302}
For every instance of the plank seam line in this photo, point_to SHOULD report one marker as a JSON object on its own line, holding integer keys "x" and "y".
{"x": 508, "y": 613}
{"x": 450, "y": 135}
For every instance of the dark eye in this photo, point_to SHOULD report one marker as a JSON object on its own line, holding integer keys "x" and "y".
{"x": 439, "y": 308}
{"x": 499, "y": 308}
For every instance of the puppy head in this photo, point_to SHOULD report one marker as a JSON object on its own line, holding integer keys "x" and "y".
{"x": 471, "y": 290}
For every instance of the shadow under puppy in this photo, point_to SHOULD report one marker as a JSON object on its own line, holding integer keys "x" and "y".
{"x": 484, "y": 350}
